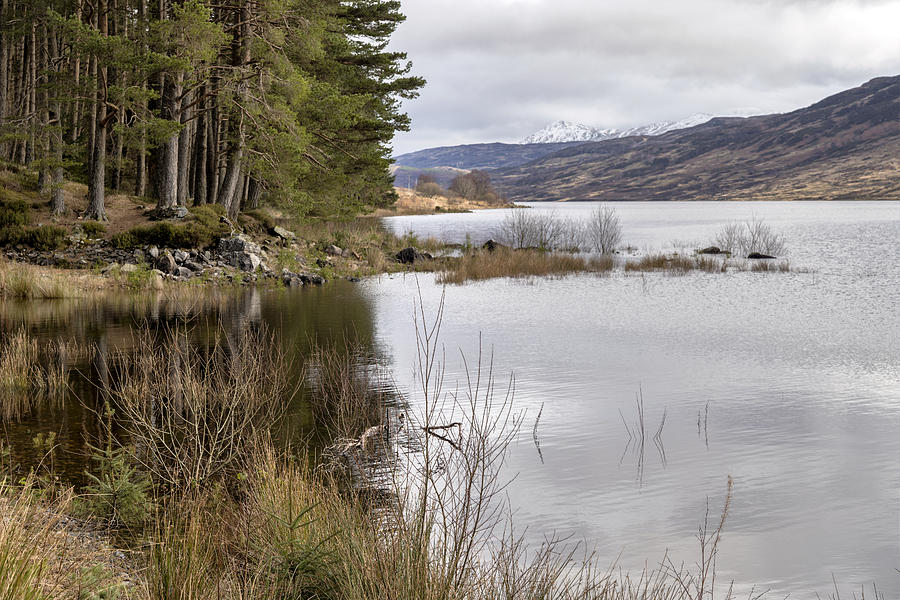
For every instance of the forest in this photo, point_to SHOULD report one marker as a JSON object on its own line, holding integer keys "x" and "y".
{"x": 240, "y": 103}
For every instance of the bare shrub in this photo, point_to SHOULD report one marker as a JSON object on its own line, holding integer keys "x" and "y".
{"x": 522, "y": 228}
{"x": 603, "y": 231}
{"x": 193, "y": 414}
{"x": 754, "y": 235}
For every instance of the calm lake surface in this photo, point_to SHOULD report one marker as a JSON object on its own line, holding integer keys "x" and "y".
{"x": 788, "y": 382}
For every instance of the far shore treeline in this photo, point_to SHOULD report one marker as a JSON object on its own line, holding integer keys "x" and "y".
{"x": 233, "y": 102}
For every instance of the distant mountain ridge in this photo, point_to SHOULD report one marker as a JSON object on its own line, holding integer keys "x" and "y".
{"x": 566, "y": 131}
{"x": 846, "y": 146}
{"x": 479, "y": 156}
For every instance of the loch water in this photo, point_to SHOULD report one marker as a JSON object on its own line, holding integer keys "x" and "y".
{"x": 787, "y": 382}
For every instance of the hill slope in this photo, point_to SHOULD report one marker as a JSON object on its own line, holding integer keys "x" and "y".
{"x": 479, "y": 156}
{"x": 845, "y": 147}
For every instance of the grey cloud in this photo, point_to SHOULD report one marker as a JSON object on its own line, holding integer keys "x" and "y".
{"x": 499, "y": 70}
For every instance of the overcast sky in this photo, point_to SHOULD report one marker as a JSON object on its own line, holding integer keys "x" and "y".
{"x": 499, "y": 70}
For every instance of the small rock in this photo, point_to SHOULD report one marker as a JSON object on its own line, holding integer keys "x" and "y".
{"x": 410, "y": 255}
{"x": 311, "y": 278}
{"x": 183, "y": 272}
{"x": 153, "y": 251}
{"x": 333, "y": 250}
{"x": 180, "y": 256}
{"x": 284, "y": 233}
{"x": 323, "y": 262}
{"x": 193, "y": 266}
{"x": 129, "y": 268}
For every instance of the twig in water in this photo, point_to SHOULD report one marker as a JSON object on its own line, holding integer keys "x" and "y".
{"x": 534, "y": 433}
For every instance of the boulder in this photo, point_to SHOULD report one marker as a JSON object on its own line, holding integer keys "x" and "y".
{"x": 247, "y": 261}
{"x": 129, "y": 268}
{"x": 311, "y": 278}
{"x": 183, "y": 272}
{"x": 290, "y": 279}
{"x": 239, "y": 243}
{"x": 410, "y": 255}
{"x": 491, "y": 245}
{"x": 193, "y": 266}
{"x": 284, "y": 233}
{"x": 710, "y": 250}
{"x": 153, "y": 251}
{"x": 180, "y": 256}
{"x": 756, "y": 255}
{"x": 166, "y": 263}
{"x": 176, "y": 212}
{"x": 333, "y": 250}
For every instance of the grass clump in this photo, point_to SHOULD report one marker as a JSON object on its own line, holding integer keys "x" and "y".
{"x": 676, "y": 264}
{"x": 203, "y": 230}
{"x": 26, "y": 282}
{"x": 93, "y": 229}
{"x": 504, "y": 262}
{"x": 14, "y": 230}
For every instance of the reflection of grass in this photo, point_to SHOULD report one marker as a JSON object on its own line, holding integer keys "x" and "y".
{"x": 767, "y": 265}
{"x": 504, "y": 262}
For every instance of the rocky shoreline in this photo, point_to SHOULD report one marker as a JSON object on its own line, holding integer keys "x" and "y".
{"x": 234, "y": 259}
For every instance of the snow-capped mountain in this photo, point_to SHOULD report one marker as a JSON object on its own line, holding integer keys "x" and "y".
{"x": 566, "y": 131}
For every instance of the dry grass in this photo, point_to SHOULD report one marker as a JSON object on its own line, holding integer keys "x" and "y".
{"x": 44, "y": 557}
{"x": 520, "y": 263}
{"x": 677, "y": 264}
{"x": 27, "y": 282}
{"x": 409, "y": 202}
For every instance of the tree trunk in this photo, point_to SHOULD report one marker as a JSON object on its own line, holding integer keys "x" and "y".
{"x": 227, "y": 193}
{"x": 97, "y": 181}
{"x": 4, "y": 72}
{"x": 212, "y": 156}
{"x": 32, "y": 112}
{"x": 57, "y": 198}
{"x": 140, "y": 177}
{"x": 167, "y": 163}
{"x": 184, "y": 153}
{"x": 199, "y": 167}
{"x": 240, "y": 57}
{"x": 254, "y": 191}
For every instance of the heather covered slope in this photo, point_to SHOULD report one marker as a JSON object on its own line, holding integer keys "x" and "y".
{"x": 845, "y": 147}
